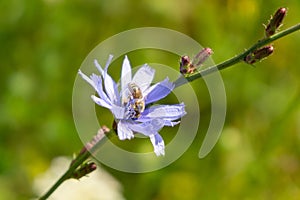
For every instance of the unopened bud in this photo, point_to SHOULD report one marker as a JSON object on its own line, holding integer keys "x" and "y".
{"x": 202, "y": 56}
{"x": 101, "y": 133}
{"x": 184, "y": 64}
{"x": 89, "y": 145}
{"x": 259, "y": 54}
{"x": 115, "y": 127}
{"x": 188, "y": 66}
{"x": 275, "y": 21}
{"x": 84, "y": 169}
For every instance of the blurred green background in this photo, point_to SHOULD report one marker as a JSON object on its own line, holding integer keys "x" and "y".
{"x": 43, "y": 43}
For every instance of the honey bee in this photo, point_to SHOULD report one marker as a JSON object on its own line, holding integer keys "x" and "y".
{"x": 135, "y": 91}
{"x": 136, "y": 99}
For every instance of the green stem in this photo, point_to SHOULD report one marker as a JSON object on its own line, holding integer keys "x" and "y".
{"x": 236, "y": 59}
{"x": 81, "y": 158}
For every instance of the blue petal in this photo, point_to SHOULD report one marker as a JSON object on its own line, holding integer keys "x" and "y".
{"x": 124, "y": 132}
{"x": 99, "y": 88}
{"x": 96, "y": 82}
{"x": 125, "y": 75}
{"x": 171, "y": 123}
{"x": 143, "y": 77}
{"x": 87, "y": 79}
{"x": 166, "y": 112}
{"x": 158, "y": 144}
{"x": 111, "y": 87}
{"x": 147, "y": 128}
{"x": 167, "y": 122}
{"x": 118, "y": 112}
{"x": 101, "y": 102}
{"x": 158, "y": 91}
{"x": 110, "y": 57}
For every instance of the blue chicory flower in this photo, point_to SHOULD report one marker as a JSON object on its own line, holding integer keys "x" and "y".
{"x": 130, "y": 106}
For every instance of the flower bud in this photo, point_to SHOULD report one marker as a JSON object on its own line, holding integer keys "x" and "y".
{"x": 184, "y": 64}
{"x": 259, "y": 54}
{"x": 275, "y": 22}
{"x": 101, "y": 132}
{"x": 84, "y": 169}
{"x": 202, "y": 56}
{"x": 89, "y": 145}
{"x": 188, "y": 66}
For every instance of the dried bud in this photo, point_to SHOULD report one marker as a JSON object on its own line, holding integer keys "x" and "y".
{"x": 184, "y": 64}
{"x": 115, "y": 127}
{"x": 89, "y": 145}
{"x": 259, "y": 54}
{"x": 188, "y": 67}
{"x": 275, "y": 22}
{"x": 84, "y": 169}
{"x": 202, "y": 56}
{"x": 101, "y": 133}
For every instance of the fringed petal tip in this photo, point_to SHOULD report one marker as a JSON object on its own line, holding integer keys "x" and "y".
{"x": 183, "y": 109}
{"x": 87, "y": 79}
{"x": 172, "y": 124}
{"x": 148, "y": 69}
{"x": 159, "y": 149}
{"x": 125, "y": 136}
{"x": 158, "y": 144}
{"x": 168, "y": 84}
{"x": 82, "y": 74}
{"x": 109, "y": 60}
